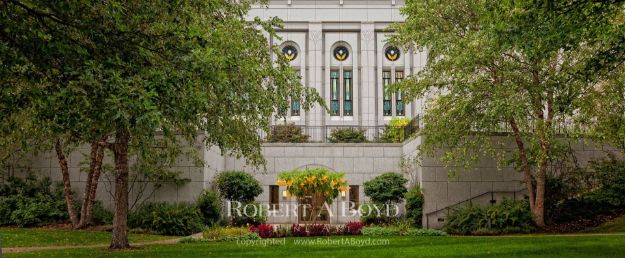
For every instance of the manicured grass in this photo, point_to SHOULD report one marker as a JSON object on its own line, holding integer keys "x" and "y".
{"x": 502, "y": 246}
{"x": 615, "y": 226}
{"x": 21, "y": 237}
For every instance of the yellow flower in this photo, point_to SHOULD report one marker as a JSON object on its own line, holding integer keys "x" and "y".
{"x": 281, "y": 182}
{"x": 289, "y": 183}
{"x": 344, "y": 188}
{"x": 324, "y": 178}
{"x": 301, "y": 184}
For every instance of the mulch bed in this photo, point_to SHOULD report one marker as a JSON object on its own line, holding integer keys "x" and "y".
{"x": 582, "y": 224}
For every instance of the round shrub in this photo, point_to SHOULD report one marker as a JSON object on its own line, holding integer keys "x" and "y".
{"x": 176, "y": 219}
{"x": 347, "y": 135}
{"x": 414, "y": 206}
{"x": 388, "y": 187}
{"x": 238, "y": 186}
{"x": 210, "y": 207}
{"x": 287, "y": 133}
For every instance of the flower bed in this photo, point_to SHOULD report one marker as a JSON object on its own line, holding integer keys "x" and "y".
{"x": 296, "y": 230}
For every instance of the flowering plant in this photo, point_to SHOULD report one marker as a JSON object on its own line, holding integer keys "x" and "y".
{"x": 318, "y": 183}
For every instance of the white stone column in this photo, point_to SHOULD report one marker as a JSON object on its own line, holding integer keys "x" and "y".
{"x": 315, "y": 75}
{"x": 367, "y": 66}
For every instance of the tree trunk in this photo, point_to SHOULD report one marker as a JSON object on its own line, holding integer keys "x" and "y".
{"x": 539, "y": 208}
{"x": 67, "y": 185}
{"x": 527, "y": 171}
{"x": 95, "y": 168}
{"x": 120, "y": 219}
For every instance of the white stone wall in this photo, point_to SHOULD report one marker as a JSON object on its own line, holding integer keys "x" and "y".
{"x": 316, "y": 27}
{"x": 360, "y": 162}
{"x": 46, "y": 164}
{"x": 445, "y": 188}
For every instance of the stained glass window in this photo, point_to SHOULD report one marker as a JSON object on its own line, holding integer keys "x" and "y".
{"x": 341, "y": 53}
{"x": 289, "y": 52}
{"x": 386, "y": 104}
{"x": 347, "y": 93}
{"x": 334, "y": 93}
{"x": 399, "y": 102}
{"x": 392, "y": 53}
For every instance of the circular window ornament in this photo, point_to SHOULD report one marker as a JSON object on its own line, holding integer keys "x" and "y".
{"x": 392, "y": 53}
{"x": 341, "y": 53}
{"x": 289, "y": 52}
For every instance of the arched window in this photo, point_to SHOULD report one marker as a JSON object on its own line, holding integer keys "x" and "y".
{"x": 341, "y": 82}
{"x": 390, "y": 100}
{"x": 290, "y": 51}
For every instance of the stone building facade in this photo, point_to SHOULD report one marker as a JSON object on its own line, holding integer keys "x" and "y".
{"x": 340, "y": 48}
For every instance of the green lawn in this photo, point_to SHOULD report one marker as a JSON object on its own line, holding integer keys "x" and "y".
{"x": 503, "y": 246}
{"x": 615, "y": 226}
{"x": 20, "y": 237}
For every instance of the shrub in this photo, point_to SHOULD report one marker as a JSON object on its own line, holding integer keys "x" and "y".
{"x": 238, "y": 186}
{"x": 611, "y": 179}
{"x": 31, "y": 201}
{"x": 281, "y": 231}
{"x": 425, "y": 232}
{"x": 228, "y": 234}
{"x": 388, "y": 187}
{"x": 263, "y": 230}
{"x": 256, "y": 215}
{"x": 179, "y": 219}
{"x": 287, "y": 133}
{"x": 318, "y": 230}
{"x": 397, "y": 231}
{"x": 354, "y": 228}
{"x": 298, "y": 230}
{"x": 414, "y": 206}
{"x": 217, "y": 233}
{"x": 347, "y": 135}
{"x": 379, "y": 214}
{"x": 380, "y": 231}
{"x": 100, "y": 215}
{"x": 605, "y": 197}
{"x": 503, "y": 218}
{"x": 210, "y": 207}
{"x": 395, "y": 130}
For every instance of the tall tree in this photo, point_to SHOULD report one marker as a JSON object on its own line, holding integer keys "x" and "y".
{"x": 516, "y": 67}
{"x": 151, "y": 74}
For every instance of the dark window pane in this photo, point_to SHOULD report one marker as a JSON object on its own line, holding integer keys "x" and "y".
{"x": 334, "y": 93}
{"x": 354, "y": 195}
{"x": 386, "y": 105}
{"x": 347, "y": 93}
{"x": 399, "y": 101}
{"x": 274, "y": 197}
